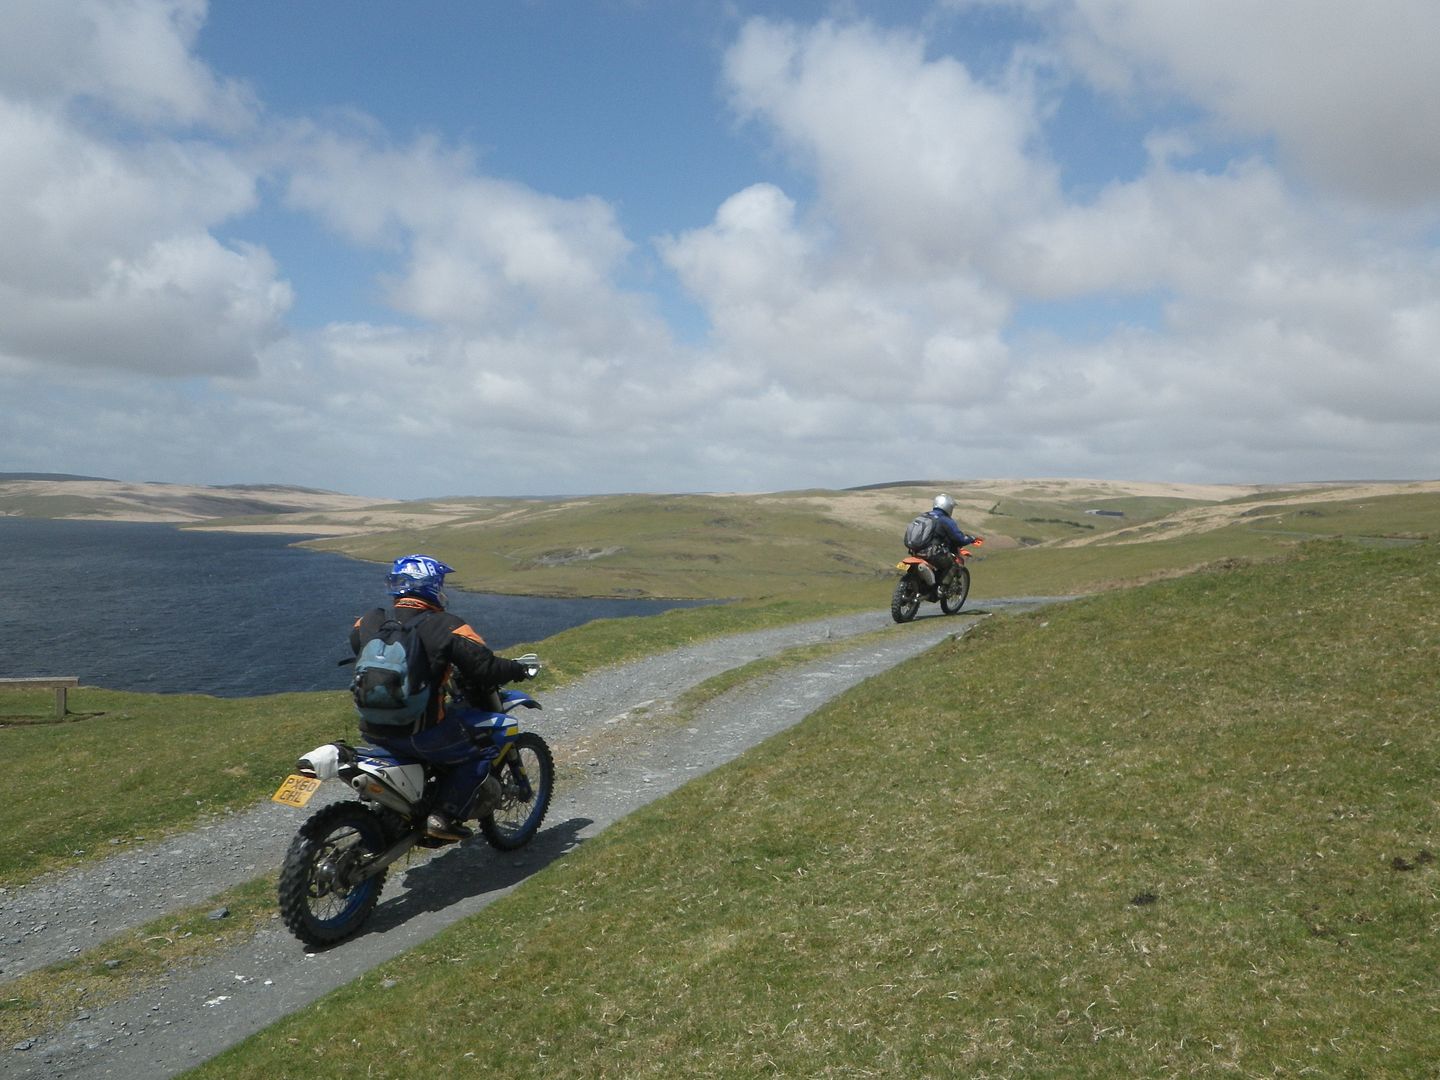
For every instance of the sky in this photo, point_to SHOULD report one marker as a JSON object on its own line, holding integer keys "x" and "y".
{"x": 419, "y": 248}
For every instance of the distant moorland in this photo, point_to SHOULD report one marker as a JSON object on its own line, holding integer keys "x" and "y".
{"x": 827, "y": 545}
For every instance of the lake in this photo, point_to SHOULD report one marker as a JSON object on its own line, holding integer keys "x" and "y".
{"x": 158, "y": 609}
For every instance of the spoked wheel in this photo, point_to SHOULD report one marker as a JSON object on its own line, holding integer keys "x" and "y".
{"x": 956, "y": 591}
{"x": 320, "y": 900}
{"x": 906, "y": 600}
{"x": 527, "y": 779}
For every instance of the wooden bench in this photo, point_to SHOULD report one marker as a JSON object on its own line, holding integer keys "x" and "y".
{"x": 59, "y": 685}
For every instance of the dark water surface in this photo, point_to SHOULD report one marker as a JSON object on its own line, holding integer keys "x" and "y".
{"x": 157, "y": 609}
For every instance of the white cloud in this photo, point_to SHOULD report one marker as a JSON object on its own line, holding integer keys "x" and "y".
{"x": 910, "y": 153}
{"x": 895, "y": 306}
{"x": 109, "y": 259}
{"x": 1346, "y": 90}
{"x": 480, "y": 255}
{"x": 130, "y": 56}
{"x": 1288, "y": 300}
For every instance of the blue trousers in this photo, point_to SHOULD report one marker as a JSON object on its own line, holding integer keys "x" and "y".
{"x": 451, "y": 744}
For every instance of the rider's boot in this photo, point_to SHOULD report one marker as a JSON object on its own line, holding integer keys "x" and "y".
{"x": 941, "y": 580}
{"x": 441, "y": 826}
{"x": 933, "y": 592}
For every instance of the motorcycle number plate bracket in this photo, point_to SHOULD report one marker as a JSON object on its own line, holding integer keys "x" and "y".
{"x": 295, "y": 790}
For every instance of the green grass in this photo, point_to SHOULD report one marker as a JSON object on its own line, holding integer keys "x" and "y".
{"x": 1039, "y": 520}
{"x": 574, "y": 653}
{"x": 1068, "y": 571}
{"x": 817, "y": 547}
{"x": 820, "y": 545}
{"x": 1263, "y": 823}
{"x": 1392, "y": 516}
{"x": 137, "y": 959}
{"x": 131, "y": 766}
{"x": 701, "y": 694}
{"x": 111, "y": 773}
{"x": 1179, "y": 830}
{"x": 126, "y": 766}
{"x": 680, "y": 546}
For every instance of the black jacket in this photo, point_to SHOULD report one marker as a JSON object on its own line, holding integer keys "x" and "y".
{"x": 452, "y": 647}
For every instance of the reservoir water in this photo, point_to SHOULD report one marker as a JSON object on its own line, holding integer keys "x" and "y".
{"x": 158, "y": 609}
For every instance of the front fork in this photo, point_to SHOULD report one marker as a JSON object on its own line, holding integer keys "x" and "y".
{"x": 513, "y": 780}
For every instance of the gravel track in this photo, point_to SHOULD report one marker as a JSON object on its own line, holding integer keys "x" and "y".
{"x": 597, "y": 724}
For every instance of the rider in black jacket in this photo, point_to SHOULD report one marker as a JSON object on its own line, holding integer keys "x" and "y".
{"x": 443, "y": 736}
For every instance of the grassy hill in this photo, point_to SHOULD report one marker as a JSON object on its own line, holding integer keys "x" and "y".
{"x": 39, "y": 495}
{"x": 840, "y": 546}
{"x": 1177, "y": 830}
{"x": 823, "y": 547}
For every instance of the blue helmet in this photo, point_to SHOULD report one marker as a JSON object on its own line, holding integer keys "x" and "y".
{"x": 419, "y": 575}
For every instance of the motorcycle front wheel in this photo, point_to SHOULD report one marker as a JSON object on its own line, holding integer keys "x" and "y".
{"x": 906, "y": 599}
{"x": 320, "y": 900}
{"x": 527, "y": 780}
{"x": 956, "y": 591}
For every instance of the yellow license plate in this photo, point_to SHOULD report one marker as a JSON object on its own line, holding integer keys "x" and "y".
{"x": 296, "y": 790}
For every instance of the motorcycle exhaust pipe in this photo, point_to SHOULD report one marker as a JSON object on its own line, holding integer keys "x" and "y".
{"x": 369, "y": 787}
{"x": 385, "y": 858}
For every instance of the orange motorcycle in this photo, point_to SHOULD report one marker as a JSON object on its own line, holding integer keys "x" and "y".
{"x": 923, "y": 580}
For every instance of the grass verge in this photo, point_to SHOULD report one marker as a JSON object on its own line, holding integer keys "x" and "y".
{"x": 1180, "y": 830}
{"x": 127, "y": 768}
{"x": 42, "y": 1000}
{"x": 700, "y": 695}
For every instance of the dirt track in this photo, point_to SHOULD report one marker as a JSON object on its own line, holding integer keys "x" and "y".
{"x": 598, "y": 724}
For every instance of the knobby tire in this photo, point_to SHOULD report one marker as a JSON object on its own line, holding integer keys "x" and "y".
{"x": 905, "y": 601}
{"x": 316, "y": 901}
{"x": 956, "y": 592}
{"x": 525, "y": 798}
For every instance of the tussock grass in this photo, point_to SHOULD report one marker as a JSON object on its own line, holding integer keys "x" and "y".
{"x": 1181, "y": 830}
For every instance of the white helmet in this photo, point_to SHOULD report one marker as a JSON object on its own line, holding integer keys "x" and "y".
{"x": 944, "y": 504}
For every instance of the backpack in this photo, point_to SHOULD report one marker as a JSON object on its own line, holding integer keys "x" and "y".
{"x": 919, "y": 533}
{"x": 391, "y": 686}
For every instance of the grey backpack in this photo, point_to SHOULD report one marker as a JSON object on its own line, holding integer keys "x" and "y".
{"x": 919, "y": 533}
{"x": 391, "y": 686}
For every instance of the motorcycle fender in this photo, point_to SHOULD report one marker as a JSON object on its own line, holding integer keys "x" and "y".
{"x": 511, "y": 699}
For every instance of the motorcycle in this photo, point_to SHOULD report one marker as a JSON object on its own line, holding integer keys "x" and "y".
{"x": 918, "y": 582}
{"x": 336, "y": 865}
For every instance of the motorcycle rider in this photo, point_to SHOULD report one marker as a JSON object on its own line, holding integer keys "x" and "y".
{"x": 949, "y": 539}
{"x": 443, "y": 736}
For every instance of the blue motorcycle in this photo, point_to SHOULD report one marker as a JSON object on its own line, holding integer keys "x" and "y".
{"x": 335, "y": 867}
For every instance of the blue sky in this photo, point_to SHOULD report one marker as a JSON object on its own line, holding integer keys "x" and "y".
{"x": 406, "y": 248}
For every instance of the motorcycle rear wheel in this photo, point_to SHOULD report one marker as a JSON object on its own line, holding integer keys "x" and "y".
{"x": 527, "y": 780}
{"x": 905, "y": 601}
{"x": 320, "y": 901}
{"x": 956, "y": 591}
